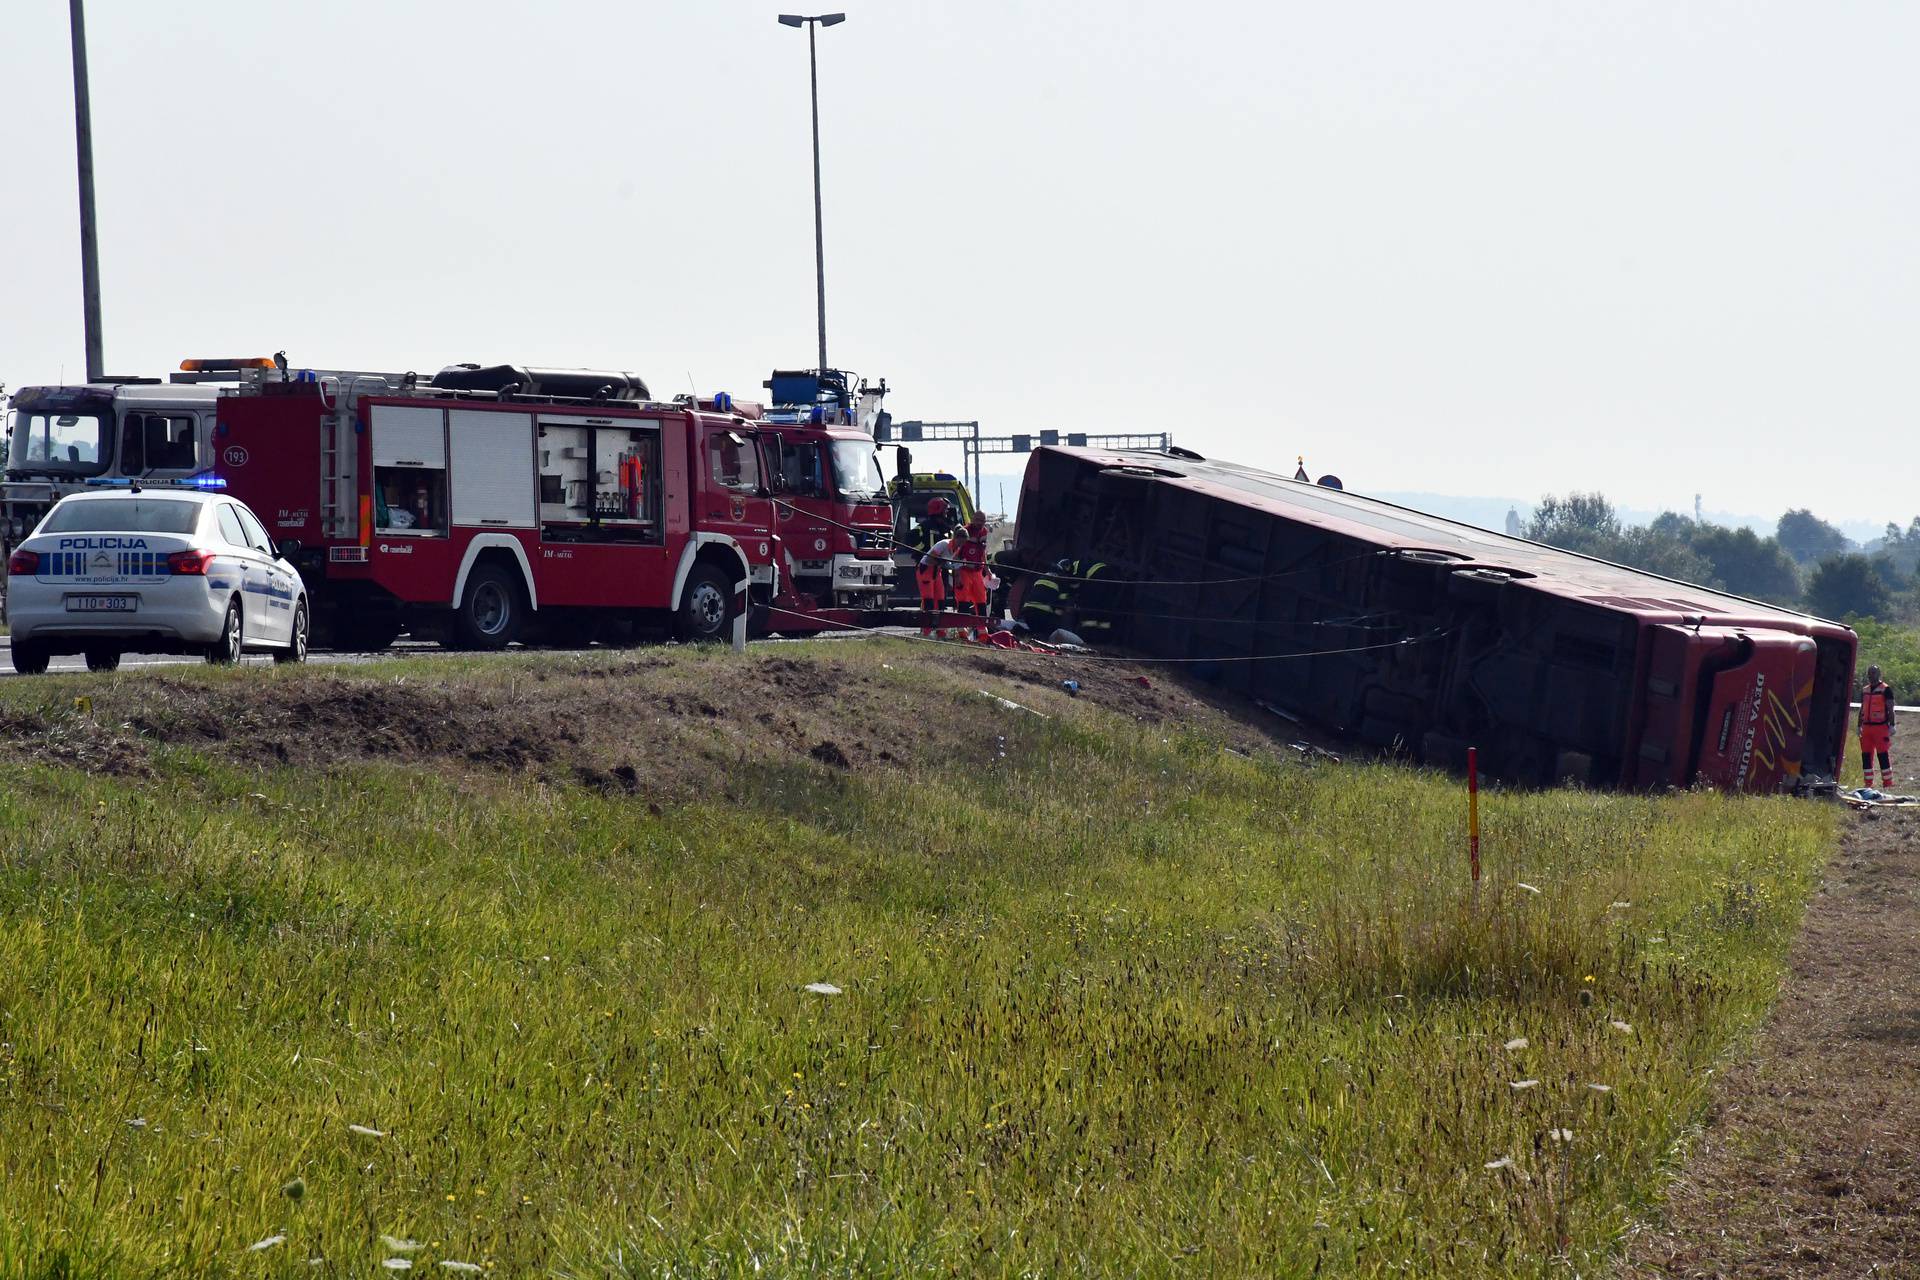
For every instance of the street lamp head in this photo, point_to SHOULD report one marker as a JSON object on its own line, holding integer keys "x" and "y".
{"x": 832, "y": 19}
{"x": 792, "y": 20}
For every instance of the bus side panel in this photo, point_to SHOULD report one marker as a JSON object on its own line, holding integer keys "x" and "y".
{"x": 1313, "y": 620}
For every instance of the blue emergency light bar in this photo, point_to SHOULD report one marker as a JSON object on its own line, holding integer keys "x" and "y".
{"x": 128, "y": 482}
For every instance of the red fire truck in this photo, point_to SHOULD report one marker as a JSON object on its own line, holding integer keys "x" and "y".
{"x": 485, "y": 503}
{"x": 832, "y": 507}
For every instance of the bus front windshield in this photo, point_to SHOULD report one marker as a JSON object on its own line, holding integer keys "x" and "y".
{"x": 856, "y": 472}
{"x": 68, "y": 443}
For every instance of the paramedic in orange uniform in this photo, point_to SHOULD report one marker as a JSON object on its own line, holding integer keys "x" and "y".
{"x": 930, "y": 576}
{"x": 970, "y": 573}
{"x": 1876, "y": 729}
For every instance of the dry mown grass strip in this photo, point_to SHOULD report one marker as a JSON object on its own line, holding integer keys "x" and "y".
{"x": 1809, "y": 1164}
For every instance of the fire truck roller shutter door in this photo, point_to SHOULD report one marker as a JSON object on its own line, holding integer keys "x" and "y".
{"x": 494, "y": 469}
{"x": 482, "y": 542}
{"x": 405, "y": 436}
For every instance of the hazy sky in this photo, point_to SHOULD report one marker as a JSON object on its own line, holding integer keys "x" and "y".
{"x": 1501, "y": 248}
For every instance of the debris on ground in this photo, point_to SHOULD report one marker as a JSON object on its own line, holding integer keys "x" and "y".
{"x": 1011, "y": 705}
{"x": 1874, "y": 798}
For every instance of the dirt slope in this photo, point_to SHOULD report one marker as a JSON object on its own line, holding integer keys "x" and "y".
{"x": 1810, "y": 1162}
{"x": 655, "y": 721}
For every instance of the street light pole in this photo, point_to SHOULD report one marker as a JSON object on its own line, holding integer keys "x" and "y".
{"x": 83, "y": 146}
{"x": 819, "y": 238}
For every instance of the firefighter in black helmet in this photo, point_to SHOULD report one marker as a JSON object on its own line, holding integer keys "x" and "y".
{"x": 936, "y": 524}
{"x": 1044, "y": 605}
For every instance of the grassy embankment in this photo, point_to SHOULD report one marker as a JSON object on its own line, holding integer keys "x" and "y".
{"x": 1118, "y": 1000}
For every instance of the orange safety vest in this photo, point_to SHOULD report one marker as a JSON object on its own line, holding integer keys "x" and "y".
{"x": 1876, "y": 705}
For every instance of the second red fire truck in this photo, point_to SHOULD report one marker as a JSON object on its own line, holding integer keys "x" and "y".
{"x": 832, "y": 508}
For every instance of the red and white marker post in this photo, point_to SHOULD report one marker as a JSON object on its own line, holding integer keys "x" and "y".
{"x": 1473, "y": 817}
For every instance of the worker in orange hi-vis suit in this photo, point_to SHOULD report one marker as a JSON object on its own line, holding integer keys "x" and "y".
{"x": 970, "y": 574}
{"x": 930, "y": 575}
{"x": 1876, "y": 729}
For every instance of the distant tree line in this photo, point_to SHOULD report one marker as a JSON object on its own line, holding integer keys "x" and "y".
{"x": 1806, "y": 563}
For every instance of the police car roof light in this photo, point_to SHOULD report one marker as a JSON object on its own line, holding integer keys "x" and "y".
{"x": 137, "y": 483}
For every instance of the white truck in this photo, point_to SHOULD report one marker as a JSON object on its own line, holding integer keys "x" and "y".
{"x": 59, "y": 439}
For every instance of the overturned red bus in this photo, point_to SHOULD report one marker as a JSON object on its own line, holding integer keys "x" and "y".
{"x": 1421, "y": 635}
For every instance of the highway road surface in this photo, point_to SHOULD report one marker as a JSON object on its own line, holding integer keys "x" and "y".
{"x": 129, "y": 661}
{"x": 401, "y": 649}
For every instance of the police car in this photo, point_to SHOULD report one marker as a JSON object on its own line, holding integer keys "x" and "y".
{"x": 152, "y": 569}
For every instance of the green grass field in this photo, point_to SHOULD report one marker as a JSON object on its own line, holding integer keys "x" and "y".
{"x": 1113, "y": 1000}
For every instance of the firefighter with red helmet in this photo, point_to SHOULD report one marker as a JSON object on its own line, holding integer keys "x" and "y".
{"x": 1876, "y": 729}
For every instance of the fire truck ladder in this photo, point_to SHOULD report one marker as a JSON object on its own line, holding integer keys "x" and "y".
{"x": 339, "y": 450}
{"x": 339, "y": 454}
